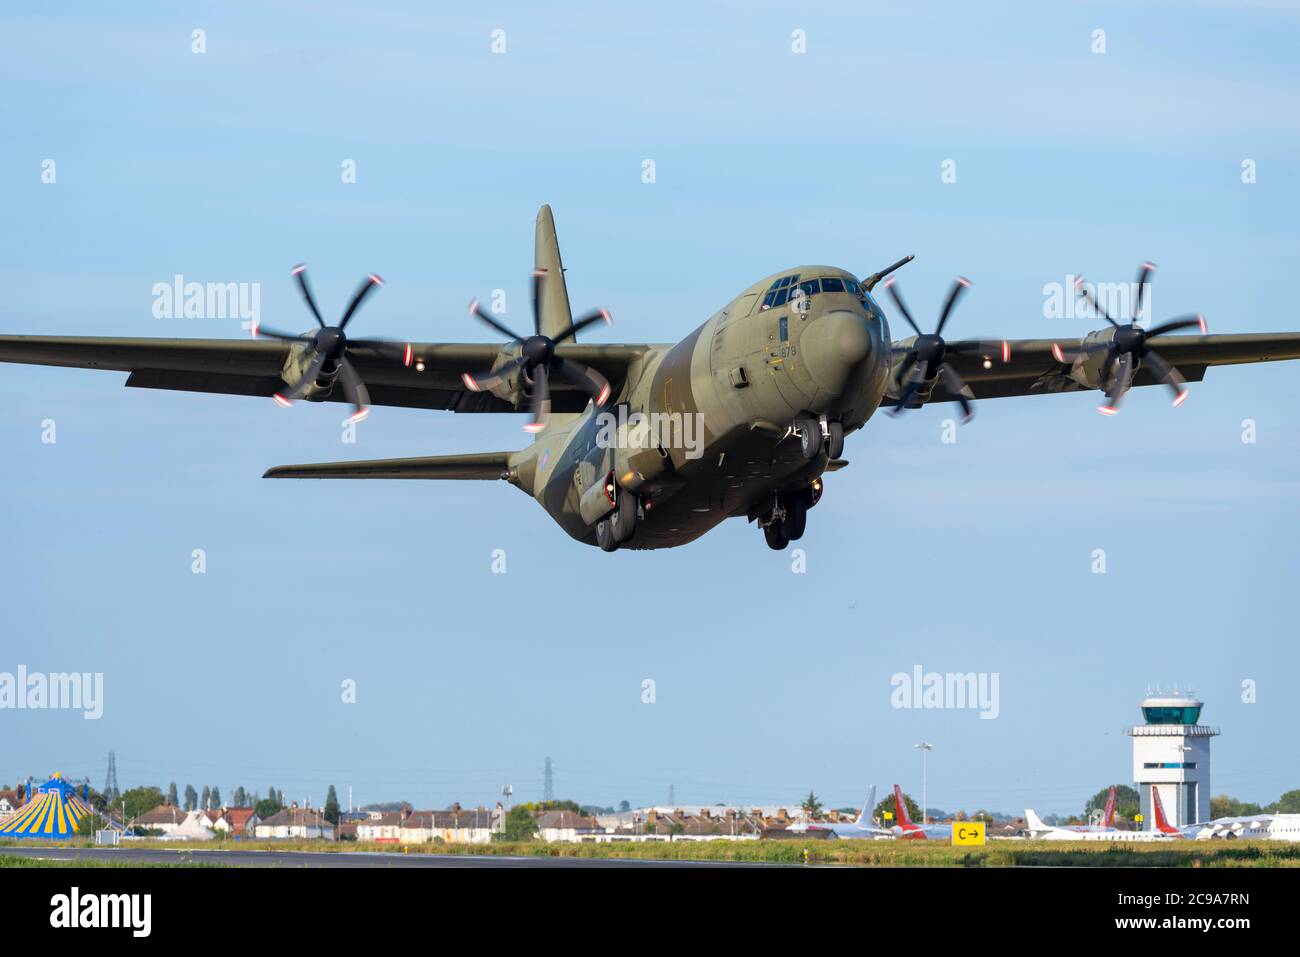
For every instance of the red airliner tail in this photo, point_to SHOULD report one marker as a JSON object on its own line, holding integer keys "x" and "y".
{"x": 1162, "y": 823}
{"x": 1109, "y": 819}
{"x": 900, "y": 810}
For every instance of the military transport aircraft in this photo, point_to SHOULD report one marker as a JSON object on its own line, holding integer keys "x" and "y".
{"x": 651, "y": 446}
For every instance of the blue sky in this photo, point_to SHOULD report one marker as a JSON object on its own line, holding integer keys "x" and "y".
{"x": 968, "y": 557}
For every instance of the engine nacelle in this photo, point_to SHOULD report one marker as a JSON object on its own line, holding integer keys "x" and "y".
{"x": 1092, "y": 369}
{"x": 598, "y": 500}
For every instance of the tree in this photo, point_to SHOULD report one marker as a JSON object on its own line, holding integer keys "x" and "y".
{"x": 240, "y": 797}
{"x": 332, "y": 806}
{"x": 811, "y": 805}
{"x": 191, "y": 798}
{"x": 519, "y": 825}
{"x": 552, "y": 806}
{"x": 141, "y": 799}
{"x": 204, "y": 801}
{"x": 1225, "y": 806}
{"x": 624, "y": 806}
{"x": 1288, "y": 803}
{"x": 267, "y": 807}
{"x": 172, "y": 798}
{"x": 913, "y": 810}
{"x": 216, "y": 796}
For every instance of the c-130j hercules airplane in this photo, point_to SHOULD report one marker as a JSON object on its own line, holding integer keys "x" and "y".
{"x": 775, "y": 380}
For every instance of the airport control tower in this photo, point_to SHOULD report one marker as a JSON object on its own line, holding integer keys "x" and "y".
{"x": 1172, "y": 751}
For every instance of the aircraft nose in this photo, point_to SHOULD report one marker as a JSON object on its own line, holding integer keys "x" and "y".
{"x": 833, "y": 346}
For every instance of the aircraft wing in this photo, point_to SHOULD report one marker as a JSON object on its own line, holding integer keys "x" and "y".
{"x": 1232, "y": 823}
{"x": 253, "y": 367}
{"x": 1031, "y": 367}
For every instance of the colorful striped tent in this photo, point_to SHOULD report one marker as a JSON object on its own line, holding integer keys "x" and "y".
{"x": 54, "y": 811}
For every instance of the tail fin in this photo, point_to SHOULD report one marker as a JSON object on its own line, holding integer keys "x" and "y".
{"x": 900, "y": 809}
{"x": 1109, "y": 819}
{"x": 554, "y": 295}
{"x": 1162, "y": 824}
{"x": 1034, "y": 822}
{"x": 865, "y": 816}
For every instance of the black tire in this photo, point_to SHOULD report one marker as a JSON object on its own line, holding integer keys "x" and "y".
{"x": 622, "y": 521}
{"x": 776, "y": 539}
{"x": 835, "y": 440}
{"x": 796, "y": 517}
{"x": 810, "y": 438}
{"x": 605, "y": 536}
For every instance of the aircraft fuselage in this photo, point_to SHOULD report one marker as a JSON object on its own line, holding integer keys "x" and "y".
{"x": 721, "y": 413}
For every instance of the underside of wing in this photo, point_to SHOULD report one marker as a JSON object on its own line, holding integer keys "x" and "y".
{"x": 481, "y": 465}
{"x": 429, "y": 378}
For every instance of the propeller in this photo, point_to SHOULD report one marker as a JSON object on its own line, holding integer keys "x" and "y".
{"x": 329, "y": 347}
{"x": 1128, "y": 349}
{"x": 537, "y": 359}
{"x": 927, "y": 359}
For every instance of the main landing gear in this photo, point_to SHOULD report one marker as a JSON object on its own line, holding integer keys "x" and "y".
{"x": 618, "y": 526}
{"x": 788, "y": 518}
{"x": 815, "y": 435}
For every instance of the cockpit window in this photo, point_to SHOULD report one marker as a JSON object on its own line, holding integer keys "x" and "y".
{"x": 832, "y": 284}
{"x": 810, "y": 286}
{"x": 779, "y": 291}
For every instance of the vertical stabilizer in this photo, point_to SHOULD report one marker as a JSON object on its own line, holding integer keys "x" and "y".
{"x": 900, "y": 810}
{"x": 1162, "y": 823}
{"x": 1108, "y": 820}
{"x": 865, "y": 816}
{"x": 554, "y": 304}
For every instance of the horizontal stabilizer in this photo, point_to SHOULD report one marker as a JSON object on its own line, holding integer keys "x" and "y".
{"x": 481, "y": 465}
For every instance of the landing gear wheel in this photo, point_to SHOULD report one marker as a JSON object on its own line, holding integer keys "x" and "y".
{"x": 605, "y": 536}
{"x": 622, "y": 521}
{"x": 810, "y": 438}
{"x": 835, "y": 439}
{"x": 796, "y": 518}
{"x": 776, "y": 539}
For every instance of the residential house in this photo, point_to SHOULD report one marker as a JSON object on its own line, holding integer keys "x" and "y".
{"x": 165, "y": 818}
{"x": 454, "y": 826}
{"x": 566, "y": 826}
{"x": 295, "y": 822}
{"x": 385, "y": 828}
{"x": 236, "y": 822}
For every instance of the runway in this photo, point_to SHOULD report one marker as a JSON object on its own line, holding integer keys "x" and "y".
{"x": 370, "y": 859}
